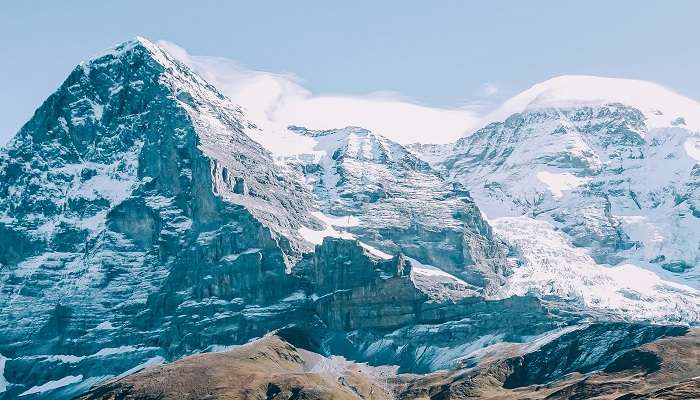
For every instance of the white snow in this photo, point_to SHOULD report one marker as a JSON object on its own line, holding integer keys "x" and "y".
{"x": 375, "y": 251}
{"x": 692, "y": 148}
{"x": 661, "y": 106}
{"x": 157, "y": 360}
{"x": 97, "y": 110}
{"x": 442, "y": 358}
{"x": 436, "y": 283}
{"x": 343, "y": 222}
{"x": 316, "y": 237}
{"x": 428, "y": 270}
{"x": 552, "y": 266}
{"x": 3, "y": 381}
{"x": 51, "y": 385}
{"x": 557, "y": 183}
{"x": 330, "y": 224}
{"x": 234, "y": 257}
{"x": 108, "y": 351}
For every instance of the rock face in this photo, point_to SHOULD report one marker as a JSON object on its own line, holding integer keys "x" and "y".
{"x": 398, "y": 203}
{"x": 141, "y": 211}
{"x": 274, "y": 369}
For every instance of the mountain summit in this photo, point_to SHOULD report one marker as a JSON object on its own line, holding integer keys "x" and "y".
{"x": 661, "y": 107}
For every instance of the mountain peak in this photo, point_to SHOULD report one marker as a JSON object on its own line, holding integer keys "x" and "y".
{"x": 139, "y": 51}
{"x": 662, "y": 107}
{"x": 137, "y": 44}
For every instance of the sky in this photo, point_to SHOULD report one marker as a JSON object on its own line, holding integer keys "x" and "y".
{"x": 448, "y": 59}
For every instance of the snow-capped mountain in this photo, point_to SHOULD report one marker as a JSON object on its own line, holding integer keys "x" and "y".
{"x": 144, "y": 217}
{"x": 139, "y": 222}
{"x": 661, "y": 107}
{"x": 598, "y": 168}
{"x": 127, "y": 188}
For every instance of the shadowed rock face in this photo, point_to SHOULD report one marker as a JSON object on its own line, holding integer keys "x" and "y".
{"x": 126, "y": 238}
{"x": 271, "y": 368}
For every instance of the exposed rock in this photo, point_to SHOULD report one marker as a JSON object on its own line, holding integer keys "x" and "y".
{"x": 401, "y": 204}
{"x": 141, "y": 224}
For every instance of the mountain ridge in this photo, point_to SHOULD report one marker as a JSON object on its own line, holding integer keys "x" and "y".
{"x": 142, "y": 222}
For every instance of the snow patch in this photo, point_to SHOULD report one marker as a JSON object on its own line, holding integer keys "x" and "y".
{"x": 436, "y": 283}
{"x": 97, "y": 110}
{"x": 330, "y": 223}
{"x": 344, "y": 222}
{"x": 692, "y": 148}
{"x": 552, "y": 266}
{"x": 557, "y": 183}
{"x": 428, "y": 270}
{"x": 51, "y": 385}
{"x": 316, "y": 237}
{"x": 375, "y": 251}
{"x": 3, "y": 381}
{"x": 153, "y": 361}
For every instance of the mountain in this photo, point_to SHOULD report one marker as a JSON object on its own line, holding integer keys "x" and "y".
{"x": 396, "y": 202}
{"x": 145, "y": 218}
{"x": 661, "y": 107}
{"x": 591, "y": 191}
{"x": 140, "y": 223}
{"x": 122, "y": 199}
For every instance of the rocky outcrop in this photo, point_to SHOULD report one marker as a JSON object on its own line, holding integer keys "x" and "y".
{"x": 373, "y": 311}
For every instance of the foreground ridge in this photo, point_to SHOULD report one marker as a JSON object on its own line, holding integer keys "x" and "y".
{"x": 273, "y": 368}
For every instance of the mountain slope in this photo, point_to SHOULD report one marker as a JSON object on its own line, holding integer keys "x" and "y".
{"x": 616, "y": 183}
{"x": 140, "y": 223}
{"x": 276, "y": 369}
{"x": 129, "y": 186}
{"x": 379, "y": 191}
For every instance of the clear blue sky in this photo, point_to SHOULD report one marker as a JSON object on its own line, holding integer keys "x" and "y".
{"x": 438, "y": 53}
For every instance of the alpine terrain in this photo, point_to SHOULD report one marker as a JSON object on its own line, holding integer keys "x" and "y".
{"x": 156, "y": 243}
